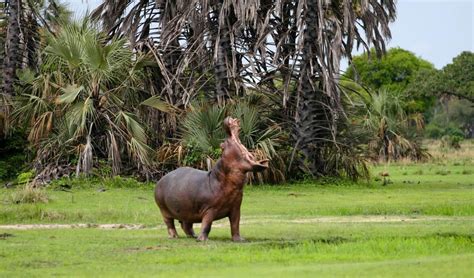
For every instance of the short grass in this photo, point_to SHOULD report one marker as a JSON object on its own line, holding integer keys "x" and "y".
{"x": 413, "y": 190}
{"x": 422, "y": 248}
{"x": 283, "y": 225}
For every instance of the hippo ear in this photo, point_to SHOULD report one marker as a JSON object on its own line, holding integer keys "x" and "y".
{"x": 222, "y": 146}
{"x": 260, "y": 166}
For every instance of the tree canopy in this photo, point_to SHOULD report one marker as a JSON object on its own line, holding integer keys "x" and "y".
{"x": 394, "y": 72}
{"x": 456, "y": 78}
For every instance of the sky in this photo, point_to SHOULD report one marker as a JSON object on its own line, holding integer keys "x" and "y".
{"x": 435, "y": 30}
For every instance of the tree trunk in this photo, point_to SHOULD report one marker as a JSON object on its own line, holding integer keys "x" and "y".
{"x": 223, "y": 57}
{"x": 313, "y": 120}
{"x": 3, "y": 28}
{"x": 30, "y": 28}
{"x": 12, "y": 57}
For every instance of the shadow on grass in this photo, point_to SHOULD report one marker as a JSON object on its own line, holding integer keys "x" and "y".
{"x": 467, "y": 237}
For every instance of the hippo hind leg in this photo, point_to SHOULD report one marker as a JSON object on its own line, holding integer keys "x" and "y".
{"x": 188, "y": 228}
{"x": 171, "y": 228}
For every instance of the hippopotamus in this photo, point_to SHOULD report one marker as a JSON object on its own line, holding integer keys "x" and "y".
{"x": 194, "y": 196}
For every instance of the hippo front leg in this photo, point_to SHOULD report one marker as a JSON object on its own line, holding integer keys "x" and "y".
{"x": 206, "y": 227}
{"x": 234, "y": 219}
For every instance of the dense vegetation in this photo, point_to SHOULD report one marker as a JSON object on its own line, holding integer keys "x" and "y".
{"x": 138, "y": 88}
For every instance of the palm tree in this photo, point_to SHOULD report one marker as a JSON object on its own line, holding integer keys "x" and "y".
{"x": 24, "y": 19}
{"x": 393, "y": 130}
{"x": 83, "y": 103}
{"x": 290, "y": 48}
{"x": 12, "y": 59}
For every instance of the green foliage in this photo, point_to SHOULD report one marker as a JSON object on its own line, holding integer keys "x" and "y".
{"x": 452, "y": 117}
{"x": 456, "y": 79}
{"x": 203, "y": 133}
{"x": 451, "y": 141}
{"x": 9, "y": 166}
{"x": 393, "y": 132}
{"x": 433, "y": 130}
{"x": 83, "y": 103}
{"x": 202, "y": 128}
{"x": 125, "y": 182}
{"x": 25, "y": 177}
{"x": 13, "y": 155}
{"x": 394, "y": 72}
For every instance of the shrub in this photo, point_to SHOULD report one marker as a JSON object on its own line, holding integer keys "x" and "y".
{"x": 25, "y": 177}
{"x": 451, "y": 142}
{"x": 12, "y": 155}
{"x": 434, "y": 131}
{"x": 122, "y": 182}
{"x": 28, "y": 195}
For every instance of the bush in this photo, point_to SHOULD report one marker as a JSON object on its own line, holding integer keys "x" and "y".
{"x": 28, "y": 195}
{"x": 451, "y": 142}
{"x": 121, "y": 182}
{"x": 25, "y": 177}
{"x": 434, "y": 131}
{"x": 12, "y": 155}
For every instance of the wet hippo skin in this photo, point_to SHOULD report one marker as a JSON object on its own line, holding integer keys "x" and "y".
{"x": 193, "y": 196}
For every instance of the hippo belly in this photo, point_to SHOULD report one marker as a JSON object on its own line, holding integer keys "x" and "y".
{"x": 184, "y": 194}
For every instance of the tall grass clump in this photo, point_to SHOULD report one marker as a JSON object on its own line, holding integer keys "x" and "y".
{"x": 28, "y": 195}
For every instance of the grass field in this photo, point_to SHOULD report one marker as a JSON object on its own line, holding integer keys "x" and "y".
{"x": 419, "y": 224}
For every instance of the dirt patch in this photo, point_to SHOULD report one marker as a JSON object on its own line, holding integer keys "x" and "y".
{"x": 224, "y": 223}
{"x": 376, "y": 218}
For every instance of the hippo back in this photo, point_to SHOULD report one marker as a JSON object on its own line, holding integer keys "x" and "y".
{"x": 177, "y": 192}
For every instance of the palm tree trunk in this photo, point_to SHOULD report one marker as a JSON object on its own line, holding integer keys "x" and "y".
{"x": 12, "y": 57}
{"x": 313, "y": 118}
{"x": 31, "y": 40}
{"x": 3, "y": 28}
{"x": 223, "y": 57}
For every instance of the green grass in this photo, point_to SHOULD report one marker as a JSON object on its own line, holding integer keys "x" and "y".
{"x": 272, "y": 249}
{"x": 297, "y": 201}
{"x": 303, "y": 229}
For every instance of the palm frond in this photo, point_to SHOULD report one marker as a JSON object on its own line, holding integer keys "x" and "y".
{"x": 70, "y": 93}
